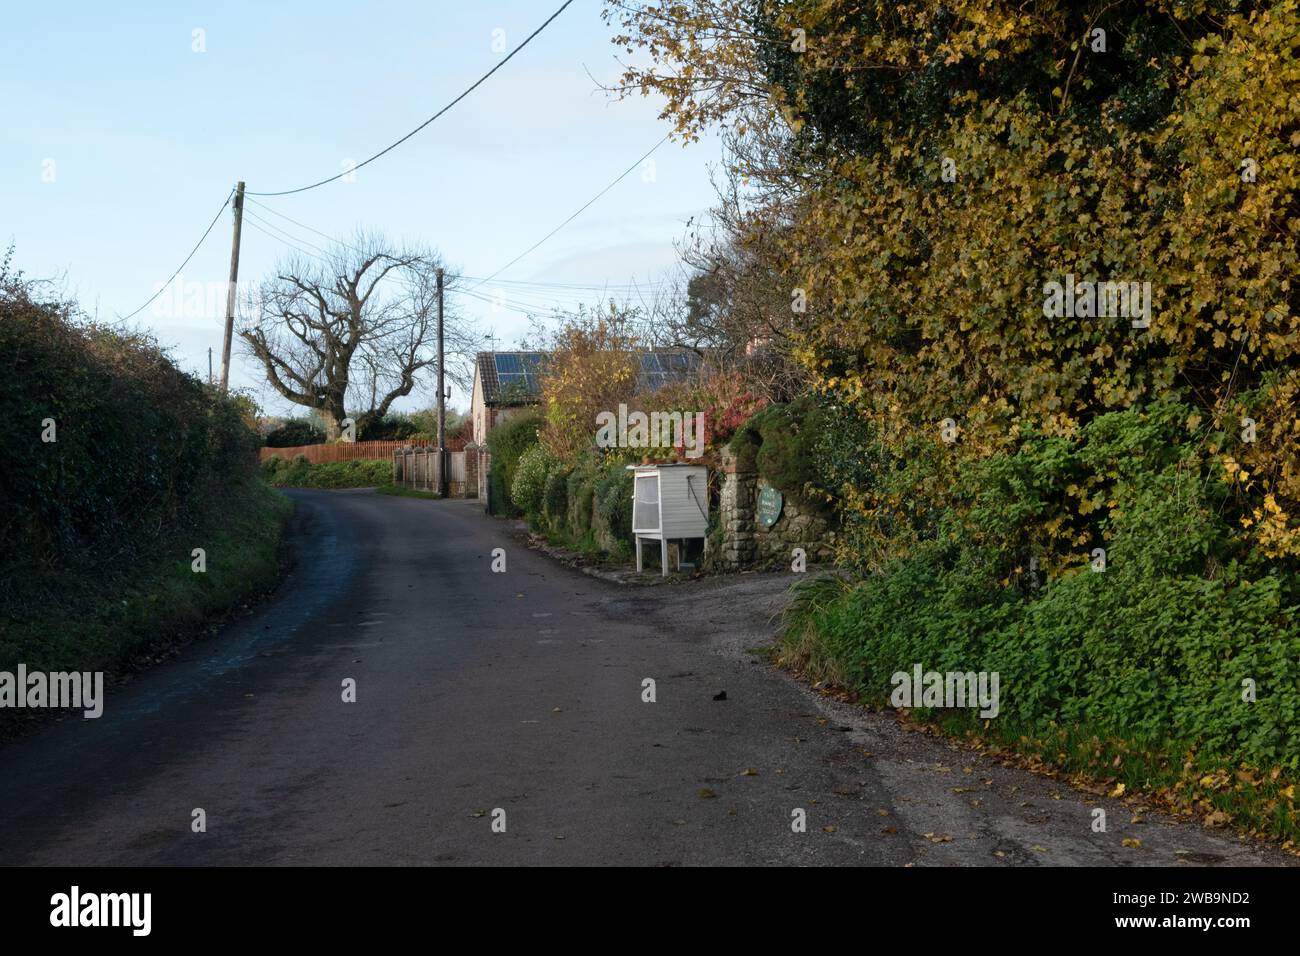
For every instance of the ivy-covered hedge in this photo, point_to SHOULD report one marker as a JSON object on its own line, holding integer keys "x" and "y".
{"x": 115, "y": 466}
{"x": 1175, "y": 660}
{"x": 784, "y": 443}
{"x": 106, "y": 441}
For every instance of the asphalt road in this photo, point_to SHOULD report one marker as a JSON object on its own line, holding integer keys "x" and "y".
{"x": 521, "y": 692}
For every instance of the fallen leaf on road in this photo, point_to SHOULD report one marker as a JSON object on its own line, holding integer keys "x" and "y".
{"x": 749, "y": 772}
{"x": 1129, "y": 841}
{"x": 706, "y": 794}
{"x": 889, "y": 829}
{"x": 830, "y": 829}
{"x": 1217, "y": 819}
{"x": 1119, "y": 790}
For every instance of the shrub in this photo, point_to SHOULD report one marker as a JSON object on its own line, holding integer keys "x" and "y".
{"x": 779, "y": 442}
{"x": 293, "y": 433}
{"x": 555, "y": 497}
{"x": 506, "y": 443}
{"x": 529, "y": 485}
{"x": 581, "y": 492}
{"x": 613, "y": 501}
{"x": 590, "y": 370}
{"x": 392, "y": 427}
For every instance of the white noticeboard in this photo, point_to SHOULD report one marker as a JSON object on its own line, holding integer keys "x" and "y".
{"x": 669, "y": 502}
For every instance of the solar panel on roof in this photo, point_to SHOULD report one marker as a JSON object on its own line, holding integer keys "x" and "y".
{"x": 507, "y": 364}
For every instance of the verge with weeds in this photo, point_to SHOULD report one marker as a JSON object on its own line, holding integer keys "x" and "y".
{"x": 1175, "y": 671}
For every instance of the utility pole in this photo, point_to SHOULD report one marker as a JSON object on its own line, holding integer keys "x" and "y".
{"x": 209, "y": 364}
{"x": 230, "y": 292}
{"x": 442, "y": 402}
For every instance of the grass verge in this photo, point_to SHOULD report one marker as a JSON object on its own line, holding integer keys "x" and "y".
{"x": 300, "y": 473}
{"x": 401, "y": 492}
{"x": 118, "y": 617}
{"x": 1119, "y": 726}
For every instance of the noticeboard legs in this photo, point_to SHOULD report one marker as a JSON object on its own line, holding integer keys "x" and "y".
{"x": 638, "y": 554}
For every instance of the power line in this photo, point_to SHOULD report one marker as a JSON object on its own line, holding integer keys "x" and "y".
{"x": 528, "y": 283}
{"x": 300, "y": 225}
{"x": 467, "y": 92}
{"x": 280, "y": 239}
{"x": 290, "y": 238}
{"x": 562, "y": 286}
{"x": 149, "y": 301}
{"x": 623, "y": 175}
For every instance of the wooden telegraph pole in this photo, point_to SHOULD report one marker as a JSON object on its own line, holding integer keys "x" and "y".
{"x": 230, "y": 292}
{"x": 442, "y": 402}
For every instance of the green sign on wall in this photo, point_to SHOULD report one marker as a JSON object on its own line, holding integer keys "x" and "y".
{"x": 770, "y": 503}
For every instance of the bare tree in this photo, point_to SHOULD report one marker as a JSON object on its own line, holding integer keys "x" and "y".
{"x": 348, "y": 334}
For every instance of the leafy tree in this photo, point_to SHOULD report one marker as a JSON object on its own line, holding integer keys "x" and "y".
{"x": 921, "y": 172}
{"x": 590, "y": 370}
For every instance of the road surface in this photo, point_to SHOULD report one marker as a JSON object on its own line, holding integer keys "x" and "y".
{"x": 484, "y": 697}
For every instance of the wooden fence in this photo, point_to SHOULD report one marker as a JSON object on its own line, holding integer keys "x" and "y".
{"x": 343, "y": 451}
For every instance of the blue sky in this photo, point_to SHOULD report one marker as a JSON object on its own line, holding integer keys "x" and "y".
{"x": 143, "y": 137}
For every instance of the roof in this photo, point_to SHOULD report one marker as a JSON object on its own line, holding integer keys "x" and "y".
{"x": 511, "y": 378}
{"x": 659, "y": 366}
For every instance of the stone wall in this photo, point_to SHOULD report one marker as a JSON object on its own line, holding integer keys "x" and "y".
{"x": 742, "y": 542}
